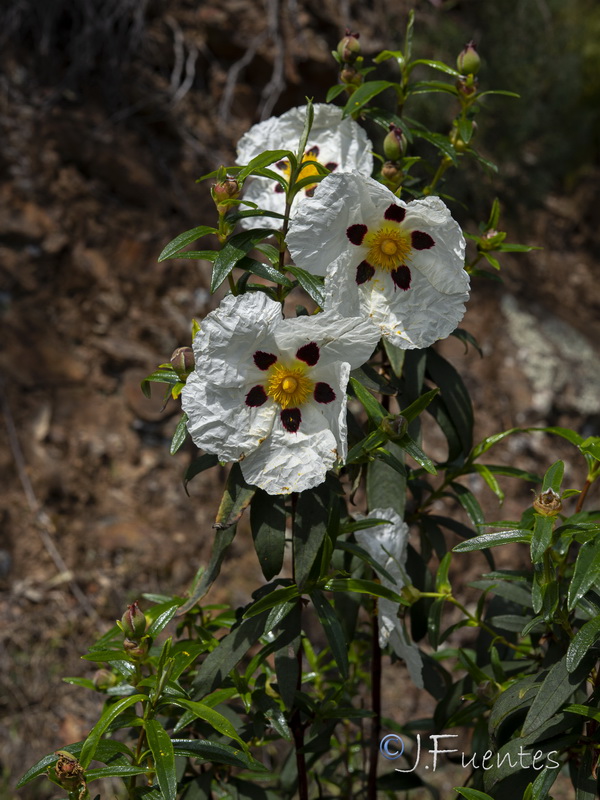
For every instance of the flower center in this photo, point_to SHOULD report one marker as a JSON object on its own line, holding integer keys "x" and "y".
{"x": 389, "y": 247}
{"x": 288, "y": 385}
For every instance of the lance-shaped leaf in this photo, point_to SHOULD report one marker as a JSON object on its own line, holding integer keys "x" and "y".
{"x": 364, "y": 93}
{"x": 163, "y": 754}
{"x": 586, "y": 573}
{"x": 310, "y": 528}
{"x": 493, "y": 540}
{"x": 109, "y": 714}
{"x": 174, "y": 247}
{"x": 333, "y": 631}
{"x": 234, "y": 251}
{"x": 558, "y": 685}
{"x": 267, "y": 522}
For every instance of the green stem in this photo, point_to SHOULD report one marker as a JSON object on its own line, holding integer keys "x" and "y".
{"x": 484, "y": 626}
{"x": 443, "y": 166}
{"x": 376, "y": 706}
{"x": 582, "y": 496}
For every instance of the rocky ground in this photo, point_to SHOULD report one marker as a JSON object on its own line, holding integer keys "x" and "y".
{"x": 90, "y": 191}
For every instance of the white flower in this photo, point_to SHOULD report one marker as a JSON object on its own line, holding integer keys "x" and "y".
{"x": 338, "y": 144}
{"x": 387, "y": 544}
{"x": 271, "y": 392}
{"x": 399, "y": 264}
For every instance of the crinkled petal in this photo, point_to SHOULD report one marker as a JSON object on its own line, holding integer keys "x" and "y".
{"x": 340, "y": 141}
{"x": 229, "y": 336}
{"x": 292, "y": 462}
{"x": 339, "y": 338}
{"x": 336, "y": 377}
{"x": 220, "y": 422}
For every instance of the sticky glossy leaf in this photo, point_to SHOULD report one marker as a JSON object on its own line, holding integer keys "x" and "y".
{"x": 454, "y": 395}
{"x": 558, "y": 685}
{"x": 266, "y": 271}
{"x": 267, "y": 522}
{"x": 333, "y": 631}
{"x": 311, "y": 284}
{"x": 472, "y": 794}
{"x": 163, "y": 754}
{"x": 364, "y": 94}
{"x": 180, "y": 434}
{"x": 234, "y": 251}
{"x": 419, "y": 405}
{"x": 553, "y": 477}
{"x": 236, "y": 498}
{"x": 438, "y": 65}
{"x": 582, "y": 642}
{"x": 263, "y": 160}
{"x": 438, "y": 141}
{"x": 310, "y": 528}
{"x": 386, "y": 487}
{"x": 110, "y": 713}
{"x": 205, "y": 750}
{"x": 334, "y": 91}
{"x": 161, "y": 616}
{"x": 542, "y": 537}
{"x": 181, "y": 241}
{"x": 362, "y": 587}
{"x": 375, "y": 411}
{"x": 208, "y": 714}
{"x": 586, "y": 573}
{"x": 114, "y": 771}
{"x": 414, "y": 451}
{"x": 493, "y": 540}
{"x": 395, "y": 357}
{"x": 274, "y": 598}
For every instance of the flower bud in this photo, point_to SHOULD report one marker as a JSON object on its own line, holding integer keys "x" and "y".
{"x": 391, "y": 173}
{"x": 68, "y": 771}
{"x": 136, "y": 649}
{"x": 227, "y": 189}
{"x": 394, "y": 144}
{"x": 348, "y": 48}
{"x": 133, "y": 622}
{"x": 103, "y": 679}
{"x": 548, "y": 503}
{"x": 410, "y": 594}
{"x": 182, "y": 360}
{"x": 468, "y": 61}
{"x": 350, "y": 76}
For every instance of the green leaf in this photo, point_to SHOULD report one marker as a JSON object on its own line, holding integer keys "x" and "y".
{"x": 472, "y": 794}
{"x": 362, "y": 587}
{"x": 198, "y": 465}
{"x": 492, "y": 540}
{"x": 162, "y": 615}
{"x": 109, "y": 714}
{"x": 266, "y": 271}
{"x": 334, "y": 91}
{"x": 426, "y": 87}
{"x": 419, "y": 405}
{"x": 277, "y": 597}
{"x": 583, "y": 641}
{"x": 114, "y": 771}
{"x": 542, "y": 537}
{"x": 438, "y": 141}
{"x": 439, "y": 65}
{"x": 586, "y": 573}
{"x": 168, "y": 376}
{"x": 470, "y": 504}
{"x": 267, "y": 522}
{"x": 434, "y": 619}
{"x": 264, "y": 160}
{"x": 333, "y": 631}
{"x": 308, "y": 123}
{"x": 489, "y": 478}
{"x": 465, "y": 129}
{"x": 364, "y": 94}
{"x": 208, "y": 714}
{"x": 163, "y": 754}
{"x": 180, "y": 434}
{"x": 229, "y": 652}
{"x": 467, "y": 339}
{"x": 181, "y": 241}
{"x": 375, "y": 411}
{"x": 386, "y": 487}
{"x": 558, "y": 685}
{"x": 234, "y": 251}
{"x": 553, "y": 477}
{"x": 414, "y": 451}
{"x": 311, "y": 284}
{"x": 310, "y": 528}
{"x": 215, "y": 752}
{"x": 454, "y": 395}
{"x": 253, "y": 212}
{"x": 198, "y": 255}
{"x": 591, "y": 446}
{"x": 395, "y": 357}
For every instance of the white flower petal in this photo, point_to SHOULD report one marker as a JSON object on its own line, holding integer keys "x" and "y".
{"x": 220, "y": 422}
{"x": 340, "y": 141}
{"x": 340, "y": 338}
{"x": 336, "y": 377}
{"x": 292, "y": 462}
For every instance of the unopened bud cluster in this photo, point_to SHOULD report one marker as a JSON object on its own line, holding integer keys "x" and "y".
{"x": 548, "y": 503}
{"x": 69, "y": 773}
{"x": 223, "y": 191}
{"x": 394, "y": 149}
{"x": 133, "y": 624}
{"x": 349, "y": 58}
{"x": 468, "y": 63}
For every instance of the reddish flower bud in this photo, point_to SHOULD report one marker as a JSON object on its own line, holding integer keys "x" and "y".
{"x": 182, "y": 360}
{"x": 136, "y": 649}
{"x": 227, "y": 189}
{"x": 394, "y": 144}
{"x": 68, "y": 771}
{"x": 468, "y": 61}
{"x": 133, "y": 622}
{"x": 350, "y": 76}
{"x": 348, "y": 48}
{"x": 103, "y": 679}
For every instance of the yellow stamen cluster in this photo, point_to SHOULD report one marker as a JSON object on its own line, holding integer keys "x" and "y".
{"x": 389, "y": 247}
{"x": 288, "y": 385}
